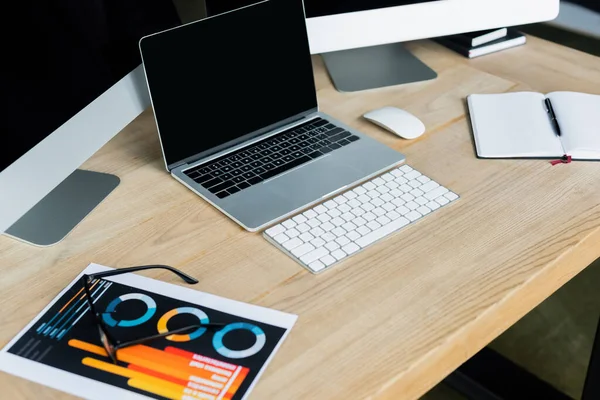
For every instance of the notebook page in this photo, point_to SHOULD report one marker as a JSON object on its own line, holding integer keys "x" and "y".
{"x": 513, "y": 125}
{"x": 578, "y": 115}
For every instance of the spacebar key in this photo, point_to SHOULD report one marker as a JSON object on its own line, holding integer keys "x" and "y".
{"x": 286, "y": 167}
{"x": 382, "y": 232}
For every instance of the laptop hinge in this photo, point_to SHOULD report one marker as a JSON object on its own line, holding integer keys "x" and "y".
{"x": 245, "y": 138}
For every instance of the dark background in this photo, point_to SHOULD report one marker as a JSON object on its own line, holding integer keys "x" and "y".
{"x": 61, "y": 55}
{"x": 67, "y": 358}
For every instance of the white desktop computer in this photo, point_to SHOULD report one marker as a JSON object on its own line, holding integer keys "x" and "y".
{"x": 361, "y": 40}
{"x": 72, "y": 79}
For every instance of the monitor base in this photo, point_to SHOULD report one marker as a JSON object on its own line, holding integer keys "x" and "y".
{"x": 50, "y": 220}
{"x": 375, "y": 67}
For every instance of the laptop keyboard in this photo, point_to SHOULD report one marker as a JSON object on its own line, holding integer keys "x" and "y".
{"x": 270, "y": 157}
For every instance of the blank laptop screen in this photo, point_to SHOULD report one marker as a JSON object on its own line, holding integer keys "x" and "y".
{"x": 228, "y": 76}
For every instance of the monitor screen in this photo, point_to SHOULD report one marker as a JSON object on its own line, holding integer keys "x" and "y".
{"x": 63, "y": 55}
{"x": 215, "y": 82}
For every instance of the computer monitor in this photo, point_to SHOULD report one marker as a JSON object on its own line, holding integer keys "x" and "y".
{"x": 71, "y": 80}
{"x": 360, "y": 40}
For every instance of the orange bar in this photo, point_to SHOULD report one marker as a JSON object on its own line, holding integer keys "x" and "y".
{"x": 200, "y": 358}
{"x": 237, "y": 382}
{"x": 92, "y": 348}
{"x": 157, "y": 375}
{"x": 175, "y": 391}
{"x": 160, "y": 357}
{"x": 145, "y": 357}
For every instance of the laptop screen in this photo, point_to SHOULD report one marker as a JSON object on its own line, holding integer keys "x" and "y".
{"x": 215, "y": 81}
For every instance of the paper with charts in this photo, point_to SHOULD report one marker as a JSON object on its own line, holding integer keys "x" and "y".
{"x": 61, "y": 348}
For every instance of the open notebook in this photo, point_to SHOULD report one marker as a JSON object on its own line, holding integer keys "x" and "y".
{"x": 520, "y": 125}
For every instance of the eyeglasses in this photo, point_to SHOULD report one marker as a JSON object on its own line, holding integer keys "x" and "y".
{"x": 111, "y": 345}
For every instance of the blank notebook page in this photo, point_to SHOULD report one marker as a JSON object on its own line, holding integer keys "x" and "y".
{"x": 513, "y": 125}
{"x": 578, "y": 115}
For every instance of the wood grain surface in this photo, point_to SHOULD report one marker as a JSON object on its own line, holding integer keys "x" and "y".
{"x": 394, "y": 320}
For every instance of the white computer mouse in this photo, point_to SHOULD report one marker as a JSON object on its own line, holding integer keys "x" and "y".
{"x": 399, "y": 122}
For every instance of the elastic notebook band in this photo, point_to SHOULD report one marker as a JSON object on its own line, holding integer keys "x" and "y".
{"x": 566, "y": 159}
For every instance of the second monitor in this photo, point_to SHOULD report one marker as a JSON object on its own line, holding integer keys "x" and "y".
{"x": 361, "y": 40}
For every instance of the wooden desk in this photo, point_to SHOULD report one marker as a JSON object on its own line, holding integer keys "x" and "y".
{"x": 394, "y": 320}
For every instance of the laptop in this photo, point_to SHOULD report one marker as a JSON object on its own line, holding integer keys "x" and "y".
{"x": 236, "y": 110}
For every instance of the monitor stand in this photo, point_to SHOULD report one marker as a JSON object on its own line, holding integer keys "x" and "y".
{"x": 375, "y": 67}
{"x": 50, "y": 220}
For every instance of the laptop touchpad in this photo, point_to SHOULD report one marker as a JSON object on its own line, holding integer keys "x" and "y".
{"x": 313, "y": 181}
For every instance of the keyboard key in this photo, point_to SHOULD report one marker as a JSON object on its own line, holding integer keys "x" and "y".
{"x": 334, "y": 146}
{"x": 350, "y": 248}
{"x": 223, "y": 194}
{"x": 314, "y": 255}
{"x": 328, "y": 237}
{"x": 353, "y": 235}
{"x": 337, "y": 221}
{"x": 226, "y": 176}
{"x": 221, "y": 186}
{"x": 292, "y": 243}
{"x": 352, "y": 138}
{"x": 309, "y": 214}
{"x": 331, "y": 205}
{"x": 281, "y": 238}
{"x": 303, "y": 249}
{"x": 203, "y": 178}
{"x": 316, "y": 265}
{"x": 423, "y": 210}
{"x": 243, "y": 185}
{"x": 442, "y": 200}
{"x": 363, "y": 230}
{"x": 275, "y": 230}
{"x": 318, "y": 242}
{"x": 327, "y": 260}
{"x": 382, "y": 232}
{"x": 337, "y": 231}
{"x": 315, "y": 154}
{"x": 413, "y": 216}
{"x": 316, "y": 232}
{"x": 292, "y": 232}
{"x": 303, "y": 227}
{"x": 344, "y": 142}
{"x": 433, "y": 205}
{"x": 313, "y": 222}
{"x": 276, "y": 171}
{"x": 255, "y": 180}
{"x": 299, "y": 219}
{"x": 342, "y": 240}
{"x": 451, "y": 196}
{"x": 233, "y": 190}
{"x": 212, "y": 182}
{"x": 332, "y": 246}
{"x": 412, "y": 205}
{"x": 405, "y": 168}
{"x": 338, "y": 254}
{"x": 327, "y": 226}
{"x": 435, "y": 193}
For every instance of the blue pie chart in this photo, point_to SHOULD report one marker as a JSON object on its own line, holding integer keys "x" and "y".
{"x": 261, "y": 339}
{"x": 128, "y": 323}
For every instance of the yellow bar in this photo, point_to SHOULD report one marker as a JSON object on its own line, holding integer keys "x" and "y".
{"x": 92, "y": 348}
{"x": 157, "y": 384}
{"x": 164, "y": 391}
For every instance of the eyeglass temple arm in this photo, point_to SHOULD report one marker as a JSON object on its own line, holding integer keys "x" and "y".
{"x": 185, "y": 277}
{"x": 165, "y": 334}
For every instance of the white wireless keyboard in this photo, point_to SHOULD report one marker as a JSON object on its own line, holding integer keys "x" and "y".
{"x": 332, "y": 231}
